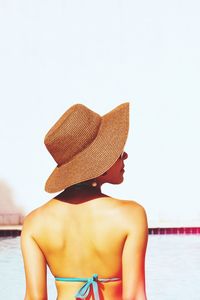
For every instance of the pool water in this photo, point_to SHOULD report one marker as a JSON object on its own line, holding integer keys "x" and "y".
{"x": 172, "y": 269}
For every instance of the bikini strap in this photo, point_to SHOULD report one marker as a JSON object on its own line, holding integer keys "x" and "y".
{"x": 85, "y": 289}
{"x": 83, "y": 292}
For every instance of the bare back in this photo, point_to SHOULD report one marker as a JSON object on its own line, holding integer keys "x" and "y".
{"x": 81, "y": 239}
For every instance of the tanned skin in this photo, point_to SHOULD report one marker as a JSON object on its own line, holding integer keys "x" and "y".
{"x": 82, "y": 232}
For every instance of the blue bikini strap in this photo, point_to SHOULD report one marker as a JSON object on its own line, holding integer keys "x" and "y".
{"x": 83, "y": 292}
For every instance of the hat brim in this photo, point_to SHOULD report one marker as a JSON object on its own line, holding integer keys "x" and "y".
{"x": 99, "y": 156}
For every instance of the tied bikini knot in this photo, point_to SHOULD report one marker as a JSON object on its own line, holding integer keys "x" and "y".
{"x": 85, "y": 289}
{"x": 95, "y": 277}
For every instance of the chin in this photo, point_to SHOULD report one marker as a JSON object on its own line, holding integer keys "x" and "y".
{"x": 118, "y": 181}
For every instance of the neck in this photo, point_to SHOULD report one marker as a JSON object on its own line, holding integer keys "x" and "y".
{"x": 81, "y": 190}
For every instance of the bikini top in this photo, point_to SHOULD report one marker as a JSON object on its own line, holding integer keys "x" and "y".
{"x": 83, "y": 292}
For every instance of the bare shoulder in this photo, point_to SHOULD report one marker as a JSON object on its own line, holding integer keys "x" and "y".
{"x": 132, "y": 207}
{"x": 33, "y": 220}
{"x": 134, "y": 214}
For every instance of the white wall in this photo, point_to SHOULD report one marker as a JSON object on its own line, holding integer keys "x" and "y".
{"x": 101, "y": 53}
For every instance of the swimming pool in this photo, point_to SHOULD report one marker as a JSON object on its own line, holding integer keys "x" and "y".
{"x": 172, "y": 269}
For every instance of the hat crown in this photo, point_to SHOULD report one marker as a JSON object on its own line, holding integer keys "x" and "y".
{"x": 72, "y": 133}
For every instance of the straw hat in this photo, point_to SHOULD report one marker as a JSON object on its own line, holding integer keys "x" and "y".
{"x": 85, "y": 144}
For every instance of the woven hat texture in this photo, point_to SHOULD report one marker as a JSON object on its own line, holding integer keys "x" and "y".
{"x": 85, "y": 144}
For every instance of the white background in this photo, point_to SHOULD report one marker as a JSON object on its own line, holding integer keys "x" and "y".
{"x": 54, "y": 54}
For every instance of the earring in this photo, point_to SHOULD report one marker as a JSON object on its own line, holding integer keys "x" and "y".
{"x": 94, "y": 183}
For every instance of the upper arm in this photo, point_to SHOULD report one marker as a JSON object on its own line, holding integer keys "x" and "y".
{"x": 34, "y": 264}
{"x": 133, "y": 257}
